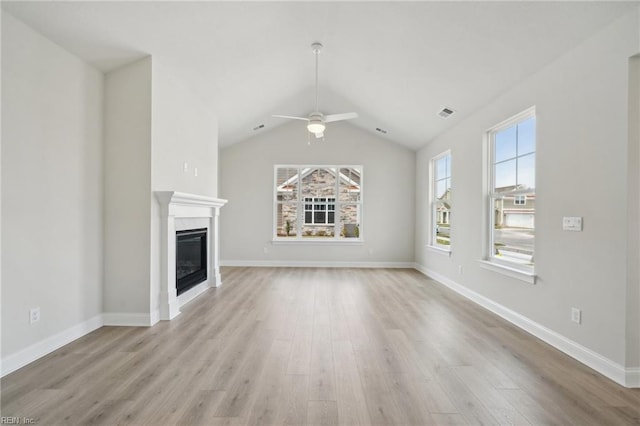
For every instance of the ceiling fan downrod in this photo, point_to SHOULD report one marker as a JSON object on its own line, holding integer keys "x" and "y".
{"x": 316, "y": 47}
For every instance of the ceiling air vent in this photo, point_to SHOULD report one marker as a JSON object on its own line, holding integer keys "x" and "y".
{"x": 383, "y": 131}
{"x": 261, "y": 126}
{"x": 446, "y": 112}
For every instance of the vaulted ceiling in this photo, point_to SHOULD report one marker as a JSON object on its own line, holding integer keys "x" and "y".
{"x": 395, "y": 63}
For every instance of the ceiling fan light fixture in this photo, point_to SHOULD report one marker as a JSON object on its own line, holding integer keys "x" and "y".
{"x": 316, "y": 126}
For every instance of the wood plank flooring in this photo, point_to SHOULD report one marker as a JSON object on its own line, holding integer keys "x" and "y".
{"x": 296, "y": 346}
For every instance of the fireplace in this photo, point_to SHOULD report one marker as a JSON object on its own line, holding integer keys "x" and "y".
{"x": 191, "y": 258}
{"x": 179, "y": 211}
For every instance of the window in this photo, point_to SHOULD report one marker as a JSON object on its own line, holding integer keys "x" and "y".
{"x": 441, "y": 201}
{"x": 520, "y": 200}
{"x": 317, "y": 203}
{"x": 512, "y": 191}
{"x": 319, "y": 211}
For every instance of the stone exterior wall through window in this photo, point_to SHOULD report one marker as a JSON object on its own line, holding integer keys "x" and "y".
{"x": 320, "y": 183}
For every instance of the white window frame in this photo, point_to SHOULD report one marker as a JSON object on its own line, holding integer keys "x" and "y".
{"x": 433, "y": 202}
{"x": 300, "y": 220}
{"x": 490, "y": 260}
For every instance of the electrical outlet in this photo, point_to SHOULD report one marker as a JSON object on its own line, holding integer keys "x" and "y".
{"x": 34, "y": 315}
{"x": 460, "y": 269}
{"x": 195, "y": 171}
{"x": 576, "y": 315}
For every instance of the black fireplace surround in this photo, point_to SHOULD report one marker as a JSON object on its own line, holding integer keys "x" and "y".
{"x": 191, "y": 258}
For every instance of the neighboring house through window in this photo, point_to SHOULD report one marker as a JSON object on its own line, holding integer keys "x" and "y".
{"x": 512, "y": 191}
{"x": 441, "y": 201}
{"x": 317, "y": 202}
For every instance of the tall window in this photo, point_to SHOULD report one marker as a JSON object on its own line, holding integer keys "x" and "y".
{"x": 317, "y": 202}
{"x": 512, "y": 191}
{"x": 441, "y": 201}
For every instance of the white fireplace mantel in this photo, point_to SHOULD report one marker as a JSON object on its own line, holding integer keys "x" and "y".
{"x": 181, "y": 205}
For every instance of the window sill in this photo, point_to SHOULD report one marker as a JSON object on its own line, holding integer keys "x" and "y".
{"x": 318, "y": 241}
{"x": 526, "y": 276}
{"x": 439, "y": 250}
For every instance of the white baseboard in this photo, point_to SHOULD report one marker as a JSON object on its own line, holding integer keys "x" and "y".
{"x": 633, "y": 377}
{"x": 629, "y": 377}
{"x": 31, "y": 353}
{"x": 315, "y": 264}
{"x": 127, "y": 319}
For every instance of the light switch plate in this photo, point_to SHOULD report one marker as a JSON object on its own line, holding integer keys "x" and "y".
{"x": 572, "y": 223}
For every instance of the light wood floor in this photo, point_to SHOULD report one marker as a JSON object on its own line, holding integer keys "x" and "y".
{"x": 318, "y": 346}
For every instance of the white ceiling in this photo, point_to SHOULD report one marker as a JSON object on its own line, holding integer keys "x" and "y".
{"x": 395, "y": 63}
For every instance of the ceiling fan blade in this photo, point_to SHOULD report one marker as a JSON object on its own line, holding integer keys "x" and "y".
{"x": 339, "y": 117}
{"x": 291, "y": 117}
{"x": 319, "y": 135}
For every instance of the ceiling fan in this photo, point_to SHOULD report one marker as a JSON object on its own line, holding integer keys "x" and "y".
{"x": 316, "y": 120}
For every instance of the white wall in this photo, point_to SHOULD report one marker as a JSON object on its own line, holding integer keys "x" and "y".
{"x": 51, "y": 188}
{"x": 246, "y": 180}
{"x": 185, "y": 130}
{"x": 581, "y": 105}
{"x": 127, "y": 162}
